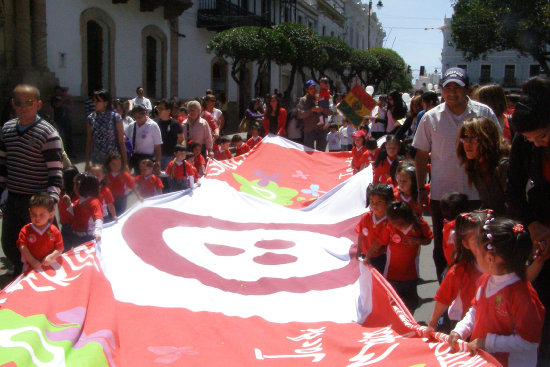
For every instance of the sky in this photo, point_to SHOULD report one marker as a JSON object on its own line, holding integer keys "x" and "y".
{"x": 404, "y": 22}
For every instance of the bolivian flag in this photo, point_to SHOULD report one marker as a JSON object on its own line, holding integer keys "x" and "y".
{"x": 356, "y": 105}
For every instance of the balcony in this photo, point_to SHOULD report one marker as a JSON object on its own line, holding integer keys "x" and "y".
{"x": 219, "y": 15}
{"x": 172, "y": 8}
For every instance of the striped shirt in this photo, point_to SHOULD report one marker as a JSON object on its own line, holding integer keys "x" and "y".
{"x": 30, "y": 161}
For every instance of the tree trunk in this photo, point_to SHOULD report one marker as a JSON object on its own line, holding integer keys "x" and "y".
{"x": 291, "y": 81}
{"x": 259, "y": 76}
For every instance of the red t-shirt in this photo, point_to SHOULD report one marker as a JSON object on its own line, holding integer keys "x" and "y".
{"x": 253, "y": 141}
{"x": 223, "y": 154}
{"x": 402, "y": 259}
{"x": 64, "y": 216}
{"x": 199, "y": 161}
{"x": 86, "y": 212}
{"x": 244, "y": 148}
{"x": 324, "y": 94}
{"x": 121, "y": 184}
{"x": 459, "y": 286}
{"x": 382, "y": 172}
{"x": 357, "y": 153}
{"x": 149, "y": 186}
{"x": 367, "y": 157}
{"x": 399, "y": 196}
{"x": 176, "y": 170}
{"x": 40, "y": 243}
{"x": 371, "y": 231}
{"x": 105, "y": 198}
{"x": 515, "y": 309}
{"x": 449, "y": 241}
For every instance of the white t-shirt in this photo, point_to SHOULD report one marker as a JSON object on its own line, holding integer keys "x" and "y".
{"x": 377, "y": 127}
{"x": 142, "y": 101}
{"x": 217, "y": 114}
{"x": 346, "y": 134}
{"x": 333, "y": 140}
{"x": 147, "y": 136}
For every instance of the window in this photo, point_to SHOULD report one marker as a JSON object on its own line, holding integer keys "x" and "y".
{"x": 485, "y": 75}
{"x": 154, "y": 45}
{"x": 324, "y": 30}
{"x": 509, "y": 76}
{"x": 300, "y": 19}
{"x": 332, "y": 33}
{"x": 465, "y": 67}
{"x": 534, "y": 70}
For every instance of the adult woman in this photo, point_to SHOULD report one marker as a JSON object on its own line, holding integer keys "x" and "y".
{"x": 251, "y": 116}
{"x": 484, "y": 155}
{"x": 209, "y": 105}
{"x": 528, "y": 189}
{"x": 493, "y": 96}
{"x": 104, "y": 131}
{"x": 123, "y": 109}
{"x": 396, "y": 110}
{"x": 409, "y": 126}
{"x": 275, "y": 117}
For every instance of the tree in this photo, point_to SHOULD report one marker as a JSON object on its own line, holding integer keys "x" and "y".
{"x": 338, "y": 58}
{"x": 480, "y": 26}
{"x": 363, "y": 65}
{"x": 390, "y": 67}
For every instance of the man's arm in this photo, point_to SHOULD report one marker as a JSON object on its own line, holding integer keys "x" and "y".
{"x": 52, "y": 153}
{"x": 421, "y": 164}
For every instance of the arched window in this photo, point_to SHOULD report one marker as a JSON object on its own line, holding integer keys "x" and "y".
{"x": 97, "y": 31}
{"x": 154, "y": 46}
{"x": 219, "y": 77}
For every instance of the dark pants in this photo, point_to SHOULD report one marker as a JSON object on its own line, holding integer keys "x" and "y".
{"x": 318, "y": 136}
{"x": 136, "y": 159}
{"x": 120, "y": 204}
{"x": 542, "y": 286}
{"x": 15, "y": 217}
{"x": 379, "y": 263}
{"x": 66, "y": 130}
{"x": 407, "y": 291}
{"x": 437, "y": 222}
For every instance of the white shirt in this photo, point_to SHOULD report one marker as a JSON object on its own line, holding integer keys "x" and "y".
{"x": 377, "y": 112}
{"x": 333, "y": 140}
{"x": 346, "y": 134}
{"x": 147, "y": 136}
{"x": 217, "y": 114}
{"x": 142, "y": 101}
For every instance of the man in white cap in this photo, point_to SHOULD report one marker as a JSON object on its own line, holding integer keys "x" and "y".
{"x": 437, "y": 134}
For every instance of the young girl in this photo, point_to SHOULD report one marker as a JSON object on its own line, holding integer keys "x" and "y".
{"x": 120, "y": 183}
{"x": 452, "y": 204}
{"x": 199, "y": 162}
{"x": 359, "y": 138}
{"x": 408, "y": 232}
{"x": 255, "y": 137}
{"x": 406, "y": 189}
{"x": 385, "y": 158}
{"x": 148, "y": 184}
{"x": 87, "y": 211}
{"x": 371, "y": 153}
{"x": 459, "y": 285}
{"x": 372, "y": 229}
{"x": 68, "y": 196}
{"x": 506, "y": 316}
{"x": 105, "y": 195}
{"x": 346, "y": 132}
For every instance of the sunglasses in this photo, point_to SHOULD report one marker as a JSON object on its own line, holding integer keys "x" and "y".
{"x": 469, "y": 139}
{"x": 26, "y": 102}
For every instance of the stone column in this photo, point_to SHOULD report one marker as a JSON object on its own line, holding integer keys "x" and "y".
{"x": 174, "y": 56}
{"x": 39, "y": 39}
{"x": 23, "y": 52}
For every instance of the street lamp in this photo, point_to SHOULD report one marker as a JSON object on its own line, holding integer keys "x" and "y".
{"x": 379, "y": 5}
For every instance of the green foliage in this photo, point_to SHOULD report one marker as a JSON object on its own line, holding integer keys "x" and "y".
{"x": 480, "y": 26}
{"x": 390, "y": 67}
{"x": 338, "y": 54}
{"x": 364, "y": 65}
{"x": 308, "y": 45}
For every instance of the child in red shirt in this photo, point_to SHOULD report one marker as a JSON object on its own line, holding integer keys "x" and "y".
{"x": 179, "y": 170}
{"x": 240, "y": 147}
{"x": 323, "y": 100}
{"x": 194, "y": 177}
{"x": 105, "y": 195}
{"x": 452, "y": 204}
{"x": 506, "y": 316}
{"x": 408, "y": 232}
{"x": 120, "y": 183}
{"x": 359, "y": 141}
{"x": 386, "y": 156}
{"x": 87, "y": 211}
{"x": 370, "y": 155}
{"x": 255, "y": 137}
{"x": 372, "y": 229}
{"x": 67, "y": 197}
{"x": 148, "y": 184}
{"x": 223, "y": 150}
{"x": 458, "y": 288}
{"x": 40, "y": 242}
{"x": 199, "y": 162}
{"x": 406, "y": 189}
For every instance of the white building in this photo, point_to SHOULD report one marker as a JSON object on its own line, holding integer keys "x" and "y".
{"x": 507, "y": 68}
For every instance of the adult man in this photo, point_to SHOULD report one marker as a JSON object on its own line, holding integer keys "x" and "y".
{"x": 30, "y": 162}
{"x": 315, "y": 135}
{"x": 437, "y": 134}
{"x": 196, "y": 128}
{"x": 170, "y": 130}
{"x": 141, "y": 100}
{"x": 145, "y": 136}
{"x": 62, "y": 103}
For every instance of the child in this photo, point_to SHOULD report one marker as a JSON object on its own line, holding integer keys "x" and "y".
{"x": 458, "y": 288}
{"x": 40, "y": 242}
{"x": 346, "y": 134}
{"x": 373, "y": 230}
{"x": 323, "y": 100}
{"x": 399, "y": 160}
{"x": 68, "y": 196}
{"x": 178, "y": 170}
{"x": 87, "y": 211}
{"x": 255, "y": 137}
{"x": 240, "y": 147}
{"x": 371, "y": 153}
{"x": 333, "y": 139}
{"x": 506, "y": 316}
{"x": 357, "y": 150}
{"x": 105, "y": 195}
{"x": 199, "y": 162}
{"x": 389, "y": 151}
{"x": 194, "y": 176}
{"x": 223, "y": 150}
{"x": 148, "y": 184}
{"x": 408, "y": 232}
{"x": 406, "y": 189}
{"x": 452, "y": 204}
{"x": 120, "y": 183}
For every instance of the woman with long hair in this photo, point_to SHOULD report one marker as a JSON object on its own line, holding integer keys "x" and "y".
{"x": 397, "y": 109}
{"x": 275, "y": 117}
{"x": 493, "y": 96}
{"x": 484, "y": 154}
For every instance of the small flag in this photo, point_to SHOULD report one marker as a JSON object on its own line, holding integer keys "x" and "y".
{"x": 356, "y": 105}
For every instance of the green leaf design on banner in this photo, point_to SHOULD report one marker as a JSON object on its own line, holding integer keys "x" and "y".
{"x": 272, "y": 192}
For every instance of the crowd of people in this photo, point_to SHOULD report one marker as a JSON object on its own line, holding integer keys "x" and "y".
{"x": 477, "y": 161}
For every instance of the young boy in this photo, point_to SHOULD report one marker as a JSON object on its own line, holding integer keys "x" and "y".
{"x": 333, "y": 138}
{"x": 371, "y": 153}
{"x": 223, "y": 151}
{"x": 240, "y": 147}
{"x": 199, "y": 162}
{"x": 255, "y": 136}
{"x": 324, "y": 100}
{"x": 148, "y": 184}
{"x": 40, "y": 242}
{"x": 178, "y": 170}
{"x": 194, "y": 176}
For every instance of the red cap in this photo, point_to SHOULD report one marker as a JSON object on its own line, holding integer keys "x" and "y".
{"x": 359, "y": 133}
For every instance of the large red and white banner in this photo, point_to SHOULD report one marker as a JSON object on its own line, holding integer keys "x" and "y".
{"x": 222, "y": 276}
